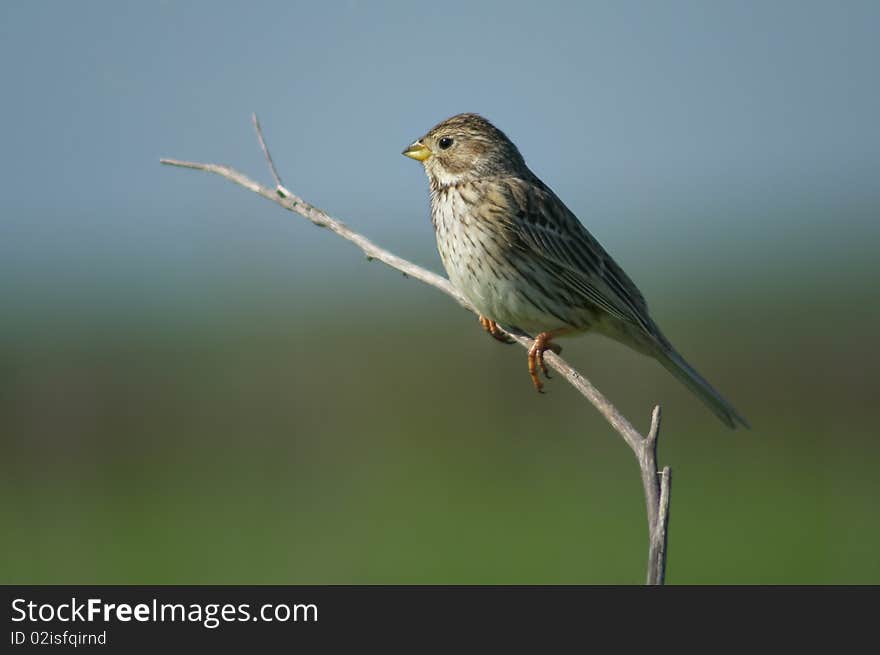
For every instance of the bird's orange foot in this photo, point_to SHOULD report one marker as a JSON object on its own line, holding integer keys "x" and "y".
{"x": 492, "y": 328}
{"x": 541, "y": 344}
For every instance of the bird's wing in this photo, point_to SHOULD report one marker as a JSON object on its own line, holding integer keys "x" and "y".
{"x": 540, "y": 222}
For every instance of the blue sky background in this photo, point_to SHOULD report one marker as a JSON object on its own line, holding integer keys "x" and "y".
{"x": 686, "y": 135}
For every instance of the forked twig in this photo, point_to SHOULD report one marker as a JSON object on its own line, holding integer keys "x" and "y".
{"x": 656, "y": 484}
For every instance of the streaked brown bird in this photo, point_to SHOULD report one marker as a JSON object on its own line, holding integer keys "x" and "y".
{"x": 526, "y": 262}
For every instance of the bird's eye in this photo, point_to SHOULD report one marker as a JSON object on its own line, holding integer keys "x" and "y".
{"x": 445, "y": 142}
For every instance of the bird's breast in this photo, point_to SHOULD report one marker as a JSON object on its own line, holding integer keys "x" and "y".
{"x": 458, "y": 240}
{"x": 497, "y": 279}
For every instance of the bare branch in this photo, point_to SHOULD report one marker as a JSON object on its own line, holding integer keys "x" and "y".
{"x": 647, "y": 457}
{"x": 295, "y": 204}
{"x": 647, "y": 454}
{"x": 656, "y": 487}
{"x": 266, "y": 152}
{"x": 661, "y": 532}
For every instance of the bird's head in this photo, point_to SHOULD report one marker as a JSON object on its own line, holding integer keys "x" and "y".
{"x": 464, "y": 148}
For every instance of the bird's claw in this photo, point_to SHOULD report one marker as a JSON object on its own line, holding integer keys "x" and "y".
{"x": 492, "y": 328}
{"x": 541, "y": 344}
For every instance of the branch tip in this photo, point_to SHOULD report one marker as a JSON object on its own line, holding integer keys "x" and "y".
{"x": 654, "y": 431}
{"x": 259, "y": 130}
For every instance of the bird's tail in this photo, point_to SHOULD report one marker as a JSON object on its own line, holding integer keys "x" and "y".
{"x": 676, "y": 365}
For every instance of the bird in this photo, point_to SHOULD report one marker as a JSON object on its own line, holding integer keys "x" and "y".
{"x": 526, "y": 263}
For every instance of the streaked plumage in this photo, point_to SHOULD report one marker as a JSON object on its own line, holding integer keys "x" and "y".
{"x": 513, "y": 248}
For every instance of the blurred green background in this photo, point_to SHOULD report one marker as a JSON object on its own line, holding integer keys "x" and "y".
{"x": 197, "y": 387}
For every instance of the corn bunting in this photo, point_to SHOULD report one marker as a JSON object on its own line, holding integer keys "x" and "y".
{"x": 525, "y": 262}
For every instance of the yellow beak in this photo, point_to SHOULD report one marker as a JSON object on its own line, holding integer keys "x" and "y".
{"x": 418, "y": 151}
